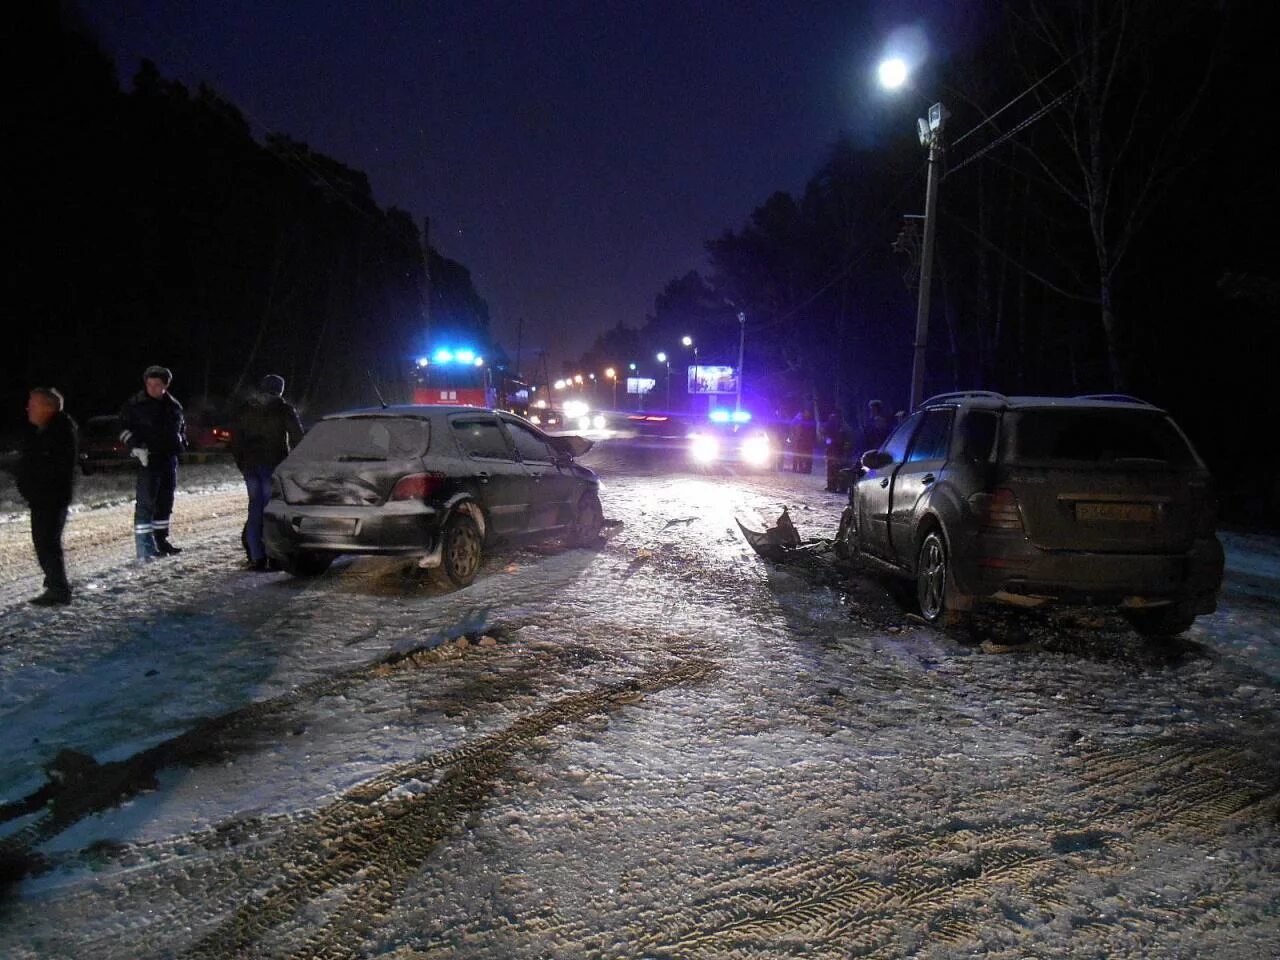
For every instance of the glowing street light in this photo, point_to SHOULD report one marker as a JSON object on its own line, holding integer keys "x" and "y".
{"x": 662, "y": 359}
{"x": 612, "y": 374}
{"x": 893, "y": 73}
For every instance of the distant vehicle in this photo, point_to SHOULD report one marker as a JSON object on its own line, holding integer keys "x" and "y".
{"x": 729, "y": 438}
{"x": 100, "y": 445}
{"x": 1097, "y": 499}
{"x": 207, "y": 436}
{"x": 442, "y": 482}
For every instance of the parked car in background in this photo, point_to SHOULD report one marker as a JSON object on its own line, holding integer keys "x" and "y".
{"x": 441, "y": 482}
{"x": 100, "y": 445}
{"x": 1027, "y": 500}
{"x": 207, "y": 434}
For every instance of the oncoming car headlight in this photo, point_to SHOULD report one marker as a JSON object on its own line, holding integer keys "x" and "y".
{"x": 755, "y": 449}
{"x": 584, "y": 423}
{"x": 575, "y": 409}
{"x": 598, "y": 421}
{"x": 704, "y": 448}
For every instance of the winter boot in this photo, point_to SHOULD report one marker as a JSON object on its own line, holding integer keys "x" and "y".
{"x": 146, "y": 545}
{"x": 166, "y": 548}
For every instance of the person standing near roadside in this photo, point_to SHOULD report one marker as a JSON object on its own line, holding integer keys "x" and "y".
{"x": 154, "y": 428}
{"x": 265, "y": 428}
{"x": 46, "y": 476}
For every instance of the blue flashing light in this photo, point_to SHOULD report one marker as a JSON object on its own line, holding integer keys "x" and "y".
{"x": 443, "y": 356}
{"x": 423, "y": 361}
{"x": 741, "y": 416}
{"x": 479, "y": 361}
{"x": 465, "y": 356}
{"x": 719, "y": 416}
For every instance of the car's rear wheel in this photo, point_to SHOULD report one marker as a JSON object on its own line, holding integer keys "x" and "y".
{"x": 933, "y": 581}
{"x": 461, "y": 549}
{"x": 305, "y": 563}
{"x": 587, "y": 522}
{"x": 1161, "y": 622}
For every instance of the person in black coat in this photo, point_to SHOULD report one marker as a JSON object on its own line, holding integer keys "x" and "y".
{"x": 46, "y": 476}
{"x": 265, "y": 428}
{"x": 154, "y": 428}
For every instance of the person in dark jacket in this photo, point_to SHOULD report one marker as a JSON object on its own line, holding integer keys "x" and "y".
{"x": 835, "y": 435}
{"x": 265, "y": 428}
{"x": 154, "y": 428}
{"x": 46, "y": 476}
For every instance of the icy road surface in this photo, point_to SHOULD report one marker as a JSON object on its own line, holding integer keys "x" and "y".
{"x": 662, "y": 748}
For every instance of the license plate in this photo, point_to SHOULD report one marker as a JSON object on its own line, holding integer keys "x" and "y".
{"x": 328, "y": 526}
{"x": 1117, "y": 512}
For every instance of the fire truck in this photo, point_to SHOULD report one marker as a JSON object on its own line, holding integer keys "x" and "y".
{"x": 462, "y": 376}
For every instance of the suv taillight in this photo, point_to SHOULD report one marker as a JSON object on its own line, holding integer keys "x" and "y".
{"x": 998, "y": 510}
{"x": 417, "y": 486}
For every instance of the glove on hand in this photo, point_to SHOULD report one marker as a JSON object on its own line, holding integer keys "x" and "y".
{"x": 126, "y": 436}
{"x": 140, "y": 453}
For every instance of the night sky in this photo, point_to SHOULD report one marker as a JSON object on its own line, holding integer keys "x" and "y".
{"x": 575, "y": 156}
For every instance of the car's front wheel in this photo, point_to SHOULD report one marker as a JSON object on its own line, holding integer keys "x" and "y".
{"x": 305, "y": 563}
{"x": 460, "y": 551}
{"x": 846, "y": 542}
{"x": 587, "y": 522}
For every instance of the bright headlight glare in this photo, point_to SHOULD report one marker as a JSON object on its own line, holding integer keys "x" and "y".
{"x": 584, "y": 423}
{"x": 574, "y": 409}
{"x": 704, "y": 448}
{"x": 599, "y": 421}
{"x": 755, "y": 450}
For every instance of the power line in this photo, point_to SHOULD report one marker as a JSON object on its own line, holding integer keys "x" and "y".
{"x": 1011, "y": 132}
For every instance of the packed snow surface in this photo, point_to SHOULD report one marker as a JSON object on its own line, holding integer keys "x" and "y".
{"x": 661, "y": 748}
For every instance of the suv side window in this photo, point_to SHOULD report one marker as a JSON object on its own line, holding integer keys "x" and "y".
{"x": 531, "y": 447}
{"x": 933, "y": 442}
{"x": 978, "y": 432}
{"x": 479, "y": 437}
{"x": 896, "y": 445}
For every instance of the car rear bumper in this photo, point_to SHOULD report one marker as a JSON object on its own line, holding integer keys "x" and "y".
{"x": 1018, "y": 568}
{"x": 402, "y": 528}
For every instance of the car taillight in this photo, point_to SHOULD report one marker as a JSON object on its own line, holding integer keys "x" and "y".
{"x": 417, "y": 486}
{"x": 219, "y": 434}
{"x": 998, "y": 510}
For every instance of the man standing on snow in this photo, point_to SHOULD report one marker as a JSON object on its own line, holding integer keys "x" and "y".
{"x": 46, "y": 474}
{"x": 154, "y": 428}
{"x": 265, "y": 429}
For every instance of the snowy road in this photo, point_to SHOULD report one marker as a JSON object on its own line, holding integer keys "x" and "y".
{"x": 659, "y": 749}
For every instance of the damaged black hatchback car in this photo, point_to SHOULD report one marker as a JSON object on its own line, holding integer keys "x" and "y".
{"x": 440, "y": 482}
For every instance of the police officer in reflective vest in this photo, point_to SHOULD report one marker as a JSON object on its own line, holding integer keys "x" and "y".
{"x": 155, "y": 430}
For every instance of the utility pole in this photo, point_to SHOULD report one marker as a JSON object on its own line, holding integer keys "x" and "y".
{"x": 930, "y": 136}
{"x": 519, "y": 341}
{"x": 742, "y": 342}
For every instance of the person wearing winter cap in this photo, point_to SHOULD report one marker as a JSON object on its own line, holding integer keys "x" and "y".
{"x": 265, "y": 428}
{"x": 154, "y": 428}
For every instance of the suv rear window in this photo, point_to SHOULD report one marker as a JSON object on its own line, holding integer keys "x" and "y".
{"x": 365, "y": 438}
{"x": 1098, "y": 436}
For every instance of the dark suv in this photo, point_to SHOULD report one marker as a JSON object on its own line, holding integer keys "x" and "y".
{"x": 1096, "y": 499}
{"x": 433, "y": 481}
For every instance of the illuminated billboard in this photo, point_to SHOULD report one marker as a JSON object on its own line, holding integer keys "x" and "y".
{"x": 640, "y": 385}
{"x": 706, "y": 379}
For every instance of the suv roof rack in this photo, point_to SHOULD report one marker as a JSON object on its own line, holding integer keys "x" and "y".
{"x": 964, "y": 394}
{"x": 1114, "y": 398}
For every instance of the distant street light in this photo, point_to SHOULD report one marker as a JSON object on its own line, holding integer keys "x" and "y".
{"x": 612, "y": 374}
{"x": 662, "y": 359}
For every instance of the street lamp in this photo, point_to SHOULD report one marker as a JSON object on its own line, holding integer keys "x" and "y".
{"x": 894, "y": 74}
{"x": 930, "y": 132}
{"x": 662, "y": 359}
{"x": 612, "y": 374}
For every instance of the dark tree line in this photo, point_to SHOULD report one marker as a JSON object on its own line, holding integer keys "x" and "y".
{"x": 150, "y": 225}
{"x": 1108, "y": 232}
